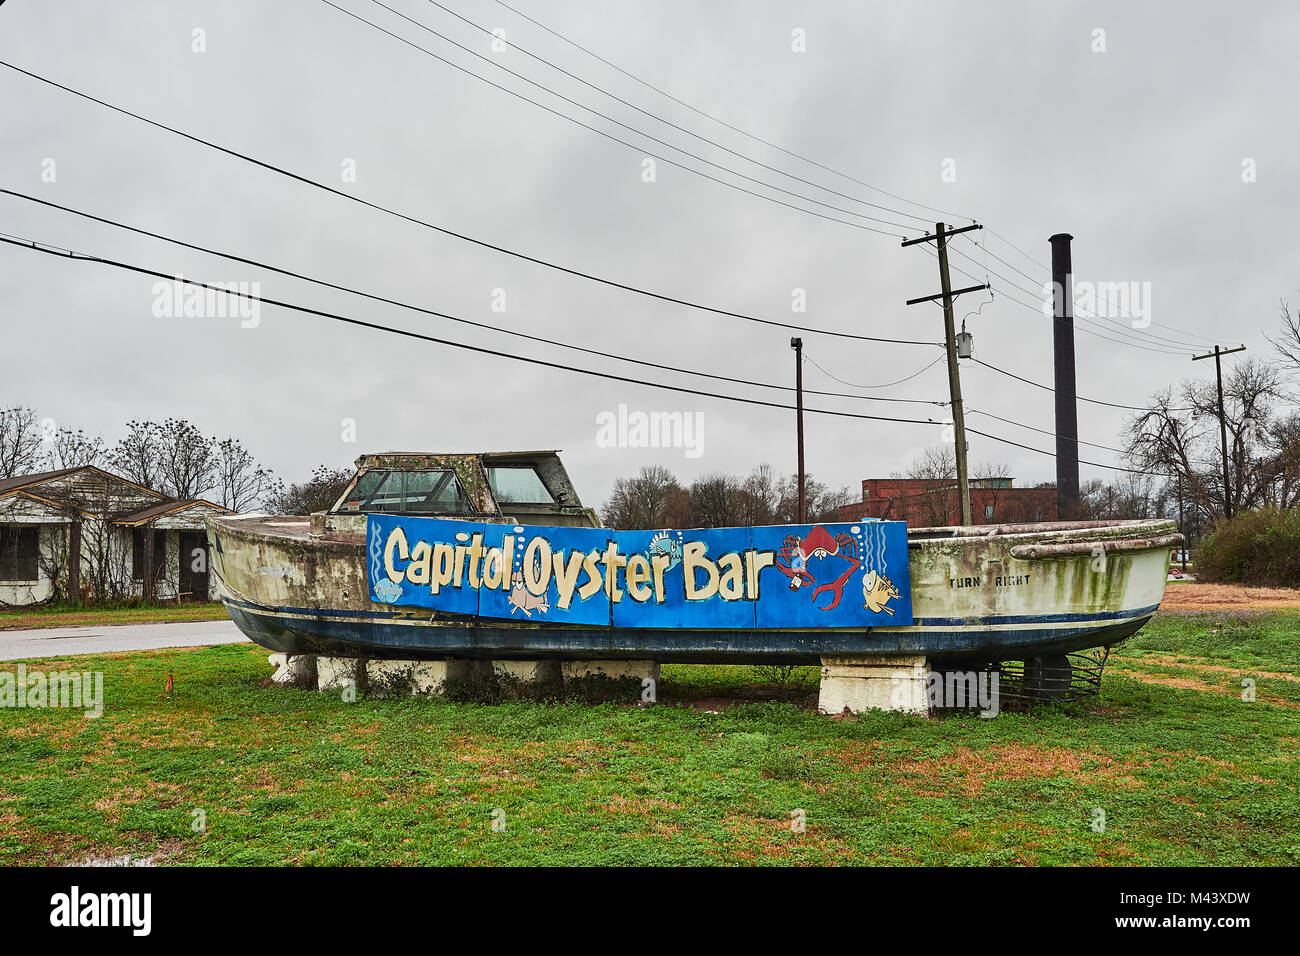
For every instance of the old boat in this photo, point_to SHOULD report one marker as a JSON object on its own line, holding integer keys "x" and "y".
{"x": 301, "y": 585}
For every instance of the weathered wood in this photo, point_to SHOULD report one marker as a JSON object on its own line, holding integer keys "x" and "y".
{"x": 146, "y": 533}
{"x": 74, "y": 562}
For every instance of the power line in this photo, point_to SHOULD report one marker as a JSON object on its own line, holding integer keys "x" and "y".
{"x": 1037, "y": 262}
{"x": 1044, "y": 431}
{"x": 33, "y": 246}
{"x": 416, "y": 308}
{"x": 1082, "y": 461}
{"x": 644, "y": 112}
{"x": 422, "y": 26}
{"x": 1160, "y": 349}
{"x": 1163, "y": 350}
{"x": 1100, "y": 335}
{"x": 1075, "y": 302}
{"x": 724, "y": 123}
{"x": 1184, "y": 332}
{"x": 771, "y": 145}
{"x": 1091, "y": 401}
{"x": 71, "y": 255}
{"x": 536, "y": 260}
{"x": 900, "y": 381}
{"x": 611, "y": 136}
{"x": 1137, "y": 343}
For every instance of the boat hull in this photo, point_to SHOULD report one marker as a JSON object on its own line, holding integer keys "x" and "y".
{"x": 1006, "y": 593}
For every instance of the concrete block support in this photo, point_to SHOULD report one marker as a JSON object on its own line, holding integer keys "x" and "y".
{"x": 335, "y": 673}
{"x": 872, "y": 681}
{"x": 614, "y": 670}
{"x": 296, "y": 670}
{"x": 528, "y": 671}
{"x": 421, "y": 678}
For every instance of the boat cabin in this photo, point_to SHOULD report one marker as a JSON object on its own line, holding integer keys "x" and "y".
{"x": 518, "y": 486}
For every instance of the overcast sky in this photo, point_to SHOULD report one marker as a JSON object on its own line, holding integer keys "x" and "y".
{"x": 1137, "y": 151}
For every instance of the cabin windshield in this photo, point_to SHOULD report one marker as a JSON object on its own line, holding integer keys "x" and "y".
{"x": 432, "y": 491}
{"x": 519, "y": 485}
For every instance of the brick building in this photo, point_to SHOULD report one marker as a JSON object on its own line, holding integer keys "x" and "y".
{"x": 926, "y": 502}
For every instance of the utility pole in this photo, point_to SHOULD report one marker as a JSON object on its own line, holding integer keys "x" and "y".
{"x": 940, "y": 238}
{"x": 797, "y": 345}
{"x": 1217, "y": 355}
{"x": 1067, "y": 407}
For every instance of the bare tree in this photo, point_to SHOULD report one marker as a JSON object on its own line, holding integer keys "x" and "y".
{"x": 1287, "y": 342}
{"x": 1130, "y": 496}
{"x": 937, "y": 499}
{"x": 188, "y": 460}
{"x": 137, "y": 457}
{"x": 655, "y": 499}
{"x": 642, "y": 501}
{"x": 1182, "y": 441}
{"x": 316, "y": 494}
{"x": 21, "y": 437}
{"x": 1280, "y": 473}
{"x": 715, "y": 502}
{"x": 760, "y": 496}
{"x": 171, "y": 456}
{"x": 75, "y": 449}
{"x": 242, "y": 482}
{"x": 993, "y": 478}
{"x": 822, "y": 502}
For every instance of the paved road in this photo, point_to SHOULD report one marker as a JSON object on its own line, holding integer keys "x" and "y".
{"x": 57, "y": 641}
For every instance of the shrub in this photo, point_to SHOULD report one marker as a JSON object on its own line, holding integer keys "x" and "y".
{"x": 1258, "y": 547}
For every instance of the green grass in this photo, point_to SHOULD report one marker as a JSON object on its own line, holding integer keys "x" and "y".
{"x": 18, "y": 618}
{"x": 1185, "y": 775}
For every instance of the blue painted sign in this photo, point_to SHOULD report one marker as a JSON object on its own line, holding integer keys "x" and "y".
{"x": 777, "y": 576}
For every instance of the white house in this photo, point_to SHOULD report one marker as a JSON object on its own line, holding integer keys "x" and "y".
{"x": 85, "y": 534}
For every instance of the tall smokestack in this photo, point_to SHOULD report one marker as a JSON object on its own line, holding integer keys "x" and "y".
{"x": 1067, "y": 413}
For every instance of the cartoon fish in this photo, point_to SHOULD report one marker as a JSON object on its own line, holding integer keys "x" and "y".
{"x": 877, "y": 591}
{"x": 387, "y": 592}
{"x": 665, "y": 543}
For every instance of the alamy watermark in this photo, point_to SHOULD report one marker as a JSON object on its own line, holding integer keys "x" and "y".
{"x": 74, "y": 690}
{"x": 1130, "y": 301}
{"x": 129, "y": 910}
{"x": 964, "y": 689}
{"x": 636, "y": 429}
{"x": 176, "y": 299}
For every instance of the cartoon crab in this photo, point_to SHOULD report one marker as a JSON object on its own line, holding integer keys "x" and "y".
{"x": 792, "y": 561}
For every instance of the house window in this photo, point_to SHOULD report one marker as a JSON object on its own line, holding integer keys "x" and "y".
{"x": 988, "y": 512}
{"x": 19, "y": 546}
{"x": 137, "y": 553}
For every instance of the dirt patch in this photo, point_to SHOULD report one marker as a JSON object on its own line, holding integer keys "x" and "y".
{"x": 640, "y": 806}
{"x": 38, "y": 847}
{"x": 971, "y": 771}
{"x": 777, "y": 839}
{"x": 1198, "y": 596}
{"x": 1204, "y": 666}
{"x": 1190, "y": 683}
